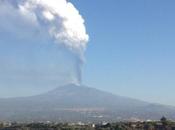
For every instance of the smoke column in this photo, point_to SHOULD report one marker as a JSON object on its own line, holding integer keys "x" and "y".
{"x": 46, "y": 21}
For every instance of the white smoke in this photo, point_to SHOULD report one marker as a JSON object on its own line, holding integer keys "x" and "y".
{"x": 56, "y": 20}
{"x": 58, "y": 17}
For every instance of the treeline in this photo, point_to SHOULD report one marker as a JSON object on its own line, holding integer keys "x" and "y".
{"x": 163, "y": 124}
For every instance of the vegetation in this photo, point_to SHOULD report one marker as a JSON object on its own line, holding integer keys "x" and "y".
{"x": 163, "y": 124}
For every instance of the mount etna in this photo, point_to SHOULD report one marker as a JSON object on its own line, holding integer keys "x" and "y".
{"x": 72, "y": 103}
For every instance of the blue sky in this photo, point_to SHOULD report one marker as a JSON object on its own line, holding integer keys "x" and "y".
{"x": 131, "y": 48}
{"x": 130, "y": 52}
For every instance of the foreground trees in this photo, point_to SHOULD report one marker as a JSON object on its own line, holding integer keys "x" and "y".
{"x": 163, "y": 124}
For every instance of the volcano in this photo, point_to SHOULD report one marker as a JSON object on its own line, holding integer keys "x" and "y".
{"x": 71, "y": 103}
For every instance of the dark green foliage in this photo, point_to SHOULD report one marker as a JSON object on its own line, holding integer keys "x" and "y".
{"x": 163, "y": 124}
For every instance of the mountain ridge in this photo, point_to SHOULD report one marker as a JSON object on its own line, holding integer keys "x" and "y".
{"x": 80, "y": 103}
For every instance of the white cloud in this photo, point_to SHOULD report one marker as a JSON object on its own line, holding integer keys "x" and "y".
{"x": 59, "y": 18}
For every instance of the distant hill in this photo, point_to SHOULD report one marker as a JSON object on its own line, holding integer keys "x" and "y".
{"x": 72, "y": 103}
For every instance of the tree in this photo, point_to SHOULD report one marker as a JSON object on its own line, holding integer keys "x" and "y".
{"x": 164, "y": 121}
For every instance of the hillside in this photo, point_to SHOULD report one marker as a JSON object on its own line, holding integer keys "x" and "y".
{"x": 80, "y": 103}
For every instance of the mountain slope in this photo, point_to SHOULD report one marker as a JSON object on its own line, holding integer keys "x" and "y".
{"x": 73, "y": 103}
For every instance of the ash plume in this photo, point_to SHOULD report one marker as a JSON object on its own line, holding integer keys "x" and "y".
{"x": 49, "y": 22}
